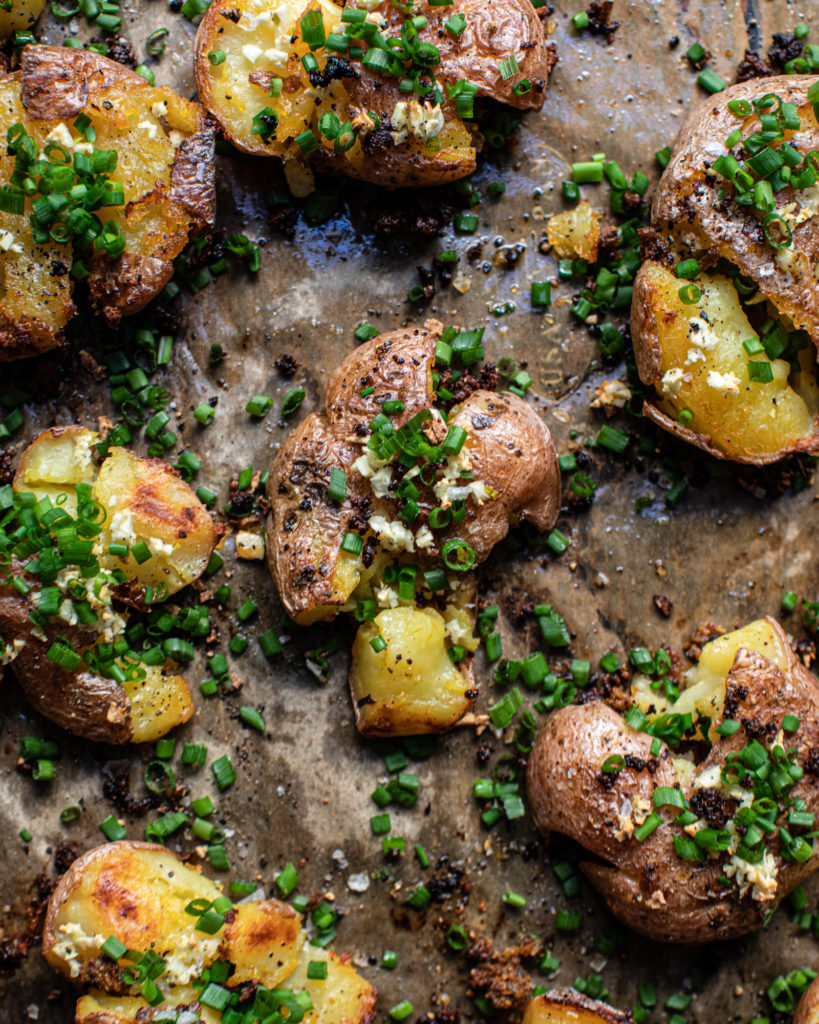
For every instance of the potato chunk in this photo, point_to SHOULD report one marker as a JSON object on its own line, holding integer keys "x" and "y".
{"x": 411, "y": 686}
{"x": 575, "y": 232}
{"x": 138, "y": 892}
{"x": 697, "y": 362}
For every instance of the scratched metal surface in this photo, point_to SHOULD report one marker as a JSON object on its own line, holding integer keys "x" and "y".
{"x": 724, "y": 554}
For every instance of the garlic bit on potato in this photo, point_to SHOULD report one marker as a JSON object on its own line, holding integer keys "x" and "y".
{"x": 82, "y": 543}
{"x": 141, "y": 933}
{"x": 725, "y": 314}
{"x": 383, "y": 508}
{"x": 314, "y": 83}
{"x": 697, "y": 814}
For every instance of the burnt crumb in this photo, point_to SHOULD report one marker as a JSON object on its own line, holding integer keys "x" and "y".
{"x": 241, "y": 503}
{"x": 501, "y": 977}
{"x": 336, "y": 67}
{"x": 59, "y": 268}
{"x": 14, "y": 948}
{"x": 607, "y": 779}
{"x": 484, "y": 753}
{"x": 757, "y": 730}
{"x": 785, "y": 47}
{"x": 305, "y": 576}
{"x": 247, "y": 993}
{"x": 673, "y": 42}
{"x": 427, "y": 278}
{"x": 119, "y": 49}
{"x": 6, "y": 467}
{"x": 64, "y": 856}
{"x": 467, "y": 384}
{"x": 703, "y": 634}
{"x": 700, "y": 64}
{"x": 709, "y": 804}
{"x": 379, "y": 138}
{"x": 490, "y": 377}
{"x": 600, "y": 23}
{"x": 286, "y": 365}
{"x": 752, "y": 66}
{"x": 479, "y": 951}
{"x": 733, "y": 698}
{"x": 102, "y": 972}
{"x": 407, "y": 215}
{"x": 284, "y": 221}
{"x": 812, "y": 761}
{"x": 663, "y": 605}
{"x": 117, "y": 790}
{"x": 442, "y": 1015}
{"x": 805, "y": 650}
{"x": 175, "y": 5}
{"x": 637, "y": 764}
{"x": 448, "y": 879}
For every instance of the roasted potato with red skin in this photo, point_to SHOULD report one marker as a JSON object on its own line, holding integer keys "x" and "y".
{"x": 751, "y": 677}
{"x": 144, "y": 500}
{"x": 692, "y": 353}
{"x": 565, "y": 1006}
{"x": 137, "y": 893}
{"x": 165, "y": 148}
{"x": 807, "y": 1012}
{"x": 513, "y": 477}
{"x": 264, "y": 43}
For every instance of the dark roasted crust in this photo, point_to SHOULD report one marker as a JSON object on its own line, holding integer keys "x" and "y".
{"x": 28, "y": 337}
{"x": 566, "y": 796}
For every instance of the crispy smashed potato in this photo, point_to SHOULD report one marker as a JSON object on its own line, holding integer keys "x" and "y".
{"x": 164, "y": 148}
{"x": 137, "y": 893}
{"x": 565, "y": 1006}
{"x": 250, "y": 76}
{"x": 141, "y": 506}
{"x": 378, "y": 552}
{"x": 730, "y": 346}
{"x": 684, "y": 851}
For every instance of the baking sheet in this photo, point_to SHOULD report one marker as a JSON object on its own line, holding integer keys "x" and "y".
{"x": 725, "y": 554}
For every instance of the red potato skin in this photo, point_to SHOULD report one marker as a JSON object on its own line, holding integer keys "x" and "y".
{"x": 509, "y": 444}
{"x": 646, "y": 884}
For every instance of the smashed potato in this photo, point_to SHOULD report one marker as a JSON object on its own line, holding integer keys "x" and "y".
{"x": 164, "y": 149}
{"x": 21, "y": 15}
{"x": 145, "y": 536}
{"x": 424, "y": 501}
{"x": 725, "y": 313}
{"x": 344, "y": 111}
{"x": 697, "y": 810}
{"x": 140, "y": 898}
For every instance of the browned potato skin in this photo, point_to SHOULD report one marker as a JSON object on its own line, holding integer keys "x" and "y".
{"x": 494, "y": 30}
{"x": 644, "y": 335}
{"x": 565, "y": 1006}
{"x": 81, "y": 702}
{"x": 399, "y": 364}
{"x": 566, "y": 796}
{"x": 807, "y": 1012}
{"x": 686, "y": 195}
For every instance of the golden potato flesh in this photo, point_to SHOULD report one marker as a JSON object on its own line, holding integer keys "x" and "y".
{"x": 575, "y": 233}
{"x": 158, "y": 703}
{"x": 565, "y": 1006}
{"x": 694, "y": 356}
{"x": 22, "y": 15}
{"x": 410, "y": 686}
{"x": 146, "y": 502}
{"x": 704, "y": 691}
{"x": 138, "y": 892}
